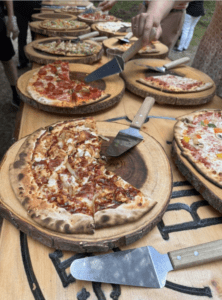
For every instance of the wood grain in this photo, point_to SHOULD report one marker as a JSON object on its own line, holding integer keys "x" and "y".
{"x": 158, "y": 185}
{"x": 113, "y": 86}
{"x": 35, "y": 26}
{"x": 41, "y": 57}
{"x": 132, "y": 72}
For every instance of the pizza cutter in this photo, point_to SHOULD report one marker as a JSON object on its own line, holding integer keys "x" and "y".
{"x": 83, "y": 37}
{"x": 167, "y": 66}
{"x": 126, "y": 38}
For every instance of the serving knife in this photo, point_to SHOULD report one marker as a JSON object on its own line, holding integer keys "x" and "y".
{"x": 143, "y": 267}
{"x": 116, "y": 65}
{"x": 82, "y": 37}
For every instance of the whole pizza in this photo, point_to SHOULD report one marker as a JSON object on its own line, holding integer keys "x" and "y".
{"x": 51, "y": 85}
{"x": 98, "y": 16}
{"x": 199, "y": 137}
{"x": 113, "y": 27}
{"x": 67, "y": 47}
{"x": 62, "y": 24}
{"x": 176, "y": 84}
{"x": 62, "y": 182}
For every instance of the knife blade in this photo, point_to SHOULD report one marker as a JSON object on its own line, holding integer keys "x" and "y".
{"x": 144, "y": 266}
{"x": 116, "y": 65}
{"x": 167, "y": 66}
{"x": 130, "y": 137}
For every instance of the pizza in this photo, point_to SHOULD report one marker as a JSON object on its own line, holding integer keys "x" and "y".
{"x": 62, "y": 24}
{"x": 199, "y": 137}
{"x": 177, "y": 84}
{"x": 51, "y": 85}
{"x": 146, "y": 49}
{"x": 70, "y": 9}
{"x": 63, "y": 184}
{"x": 68, "y": 48}
{"x": 97, "y": 16}
{"x": 113, "y": 27}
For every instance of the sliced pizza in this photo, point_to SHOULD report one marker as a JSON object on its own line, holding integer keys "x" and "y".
{"x": 176, "y": 84}
{"x": 62, "y": 24}
{"x": 199, "y": 136}
{"x": 51, "y": 85}
{"x": 60, "y": 179}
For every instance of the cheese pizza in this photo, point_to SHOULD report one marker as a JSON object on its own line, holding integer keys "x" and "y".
{"x": 62, "y": 24}
{"x": 172, "y": 83}
{"x": 64, "y": 185}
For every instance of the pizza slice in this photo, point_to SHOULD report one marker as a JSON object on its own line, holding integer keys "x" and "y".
{"x": 172, "y": 83}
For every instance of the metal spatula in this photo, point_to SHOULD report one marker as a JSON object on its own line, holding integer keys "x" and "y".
{"x": 126, "y": 38}
{"x": 130, "y": 137}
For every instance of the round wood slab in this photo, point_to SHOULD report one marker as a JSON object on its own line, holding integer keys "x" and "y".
{"x": 42, "y": 57}
{"x": 161, "y": 50}
{"x": 132, "y": 72}
{"x": 208, "y": 190}
{"x": 49, "y": 16}
{"x": 107, "y": 33}
{"x": 113, "y": 86}
{"x": 146, "y": 167}
{"x": 35, "y": 26}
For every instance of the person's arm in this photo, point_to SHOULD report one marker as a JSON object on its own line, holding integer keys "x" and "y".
{"x": 157, "y": 10}
{"x": 107, "y": 5}
{"x": 11, "y": 23}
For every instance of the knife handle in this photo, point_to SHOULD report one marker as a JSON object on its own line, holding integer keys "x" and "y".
{"x": 128, "y": 35}
{"x": 99, "y": 38}
{"x": 88, "y": 35}
{"x": 176, "y": 62}
{"x": 142, "y": 113}
{"x": 196, "y": 255}
{"x": 137, "y": 46}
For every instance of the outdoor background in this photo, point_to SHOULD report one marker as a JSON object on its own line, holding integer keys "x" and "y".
{"x": 123, "y": 9}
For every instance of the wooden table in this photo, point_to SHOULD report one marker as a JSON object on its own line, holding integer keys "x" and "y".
{"x": 30, "y": 270}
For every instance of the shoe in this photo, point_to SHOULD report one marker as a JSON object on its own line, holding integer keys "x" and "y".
{"x": 177, "y": 50}
{"x": 22, "y": 65}
{"x": 16, "y": 102}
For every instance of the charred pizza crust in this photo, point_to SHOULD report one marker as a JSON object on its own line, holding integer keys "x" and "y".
{"x": 175, "y": 84}
{"x": 196, "y": 143}
{"x": 62, "y": 161}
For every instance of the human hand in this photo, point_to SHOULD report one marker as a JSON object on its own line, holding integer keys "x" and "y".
{"x": 12, "y": 27}
{"x": 142, "y": 25}
{"x": 107, "y": 5}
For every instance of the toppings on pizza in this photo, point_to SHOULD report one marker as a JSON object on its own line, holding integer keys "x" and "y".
{"x": 97, "y": 16}
{"x": 173, "y": 83}
{"x": 151, "y": 48}
{"x": 68, "y": 48}
{"x": 51, "y": 85}
{"x": 64, "y": 185}
{"x": 62, "y": 24}
{"x": 113, "y": 26}
{"x": 199, "y": 136}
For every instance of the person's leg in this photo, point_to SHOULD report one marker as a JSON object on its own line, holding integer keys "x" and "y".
{"x": 22, "y": 22}
{"x": 191, "y": 31}
{"x": 11, "y": 74}
{"x": 186, "y": 28}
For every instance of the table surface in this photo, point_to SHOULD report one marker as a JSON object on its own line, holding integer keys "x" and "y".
{"x": 30, "y": 270}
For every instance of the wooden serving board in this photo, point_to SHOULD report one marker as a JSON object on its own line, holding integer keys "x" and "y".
{"x": 161, "y": 50}
{"x": 133, "y": 72}
{"x": 139, "y": 167}
{"x": 107, "y": 33}
{"x": 49, "y": 16}
{"x": 113, "y": 86}
{"x": 35, "y": 26}
{"x": 207, "y": 189}
{"x": 42, "y": 57}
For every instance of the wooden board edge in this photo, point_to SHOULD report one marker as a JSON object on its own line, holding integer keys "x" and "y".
{"x": 197, "y": 183}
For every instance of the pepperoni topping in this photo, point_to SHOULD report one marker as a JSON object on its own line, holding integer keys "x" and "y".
{"x": 50, "y": 87}
{"x": 42, "y": 72}
{"x": 48, "y": 78}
